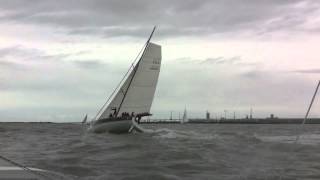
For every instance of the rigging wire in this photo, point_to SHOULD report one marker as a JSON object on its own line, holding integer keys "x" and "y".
{"x": 120, "y": 83}
{"x": 142, "y": 51}
{"x": 26, "y": 168}
{"x": 135, "y": 69}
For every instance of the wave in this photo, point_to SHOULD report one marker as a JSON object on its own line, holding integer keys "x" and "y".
{"x": 305, "y": 139}
{"x": 180, "y": 134}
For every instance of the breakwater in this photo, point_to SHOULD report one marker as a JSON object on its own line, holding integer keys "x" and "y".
{"x": 239, "y": 121}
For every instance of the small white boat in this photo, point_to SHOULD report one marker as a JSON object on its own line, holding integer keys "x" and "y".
{"x": 84, "y": 121}
{"x": 10, "y": 170}
{"x": 133, "y": 97}
{"x": 184, "y": 117}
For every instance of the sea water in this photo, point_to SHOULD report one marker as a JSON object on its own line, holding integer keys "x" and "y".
{"x": 167, "y": 151}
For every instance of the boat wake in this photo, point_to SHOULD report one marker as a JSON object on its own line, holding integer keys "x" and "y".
{"x": 178, "y": 134}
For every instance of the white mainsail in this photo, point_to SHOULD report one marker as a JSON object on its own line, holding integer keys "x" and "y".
{"x": 136, "y": 93}
{"x": 184, "y": 117}
{"x": 85, "y": 119}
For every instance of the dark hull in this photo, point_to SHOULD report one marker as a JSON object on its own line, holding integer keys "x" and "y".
{"x": 116, "y": 126}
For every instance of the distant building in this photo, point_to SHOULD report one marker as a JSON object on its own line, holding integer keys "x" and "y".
{"x": 273, "y": 117}
{"x": 207, "y": 115}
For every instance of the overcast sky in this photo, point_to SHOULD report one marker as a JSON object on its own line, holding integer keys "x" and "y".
{"x": 61, "y": 59}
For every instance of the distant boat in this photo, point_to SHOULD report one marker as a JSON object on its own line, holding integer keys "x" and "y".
{"x": 133, "y": 97}
{"x": 84, "y": 121}
{"x": 184, "y": 117}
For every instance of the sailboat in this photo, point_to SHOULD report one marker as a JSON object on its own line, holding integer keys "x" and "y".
{"x": 132, "y": 98}
{"x": 184, "y": 117}
{"x": 84, "y": 121}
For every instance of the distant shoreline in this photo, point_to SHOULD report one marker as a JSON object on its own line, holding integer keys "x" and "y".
{"x": 239, "y": 121}
{"x": 207, "y": 121}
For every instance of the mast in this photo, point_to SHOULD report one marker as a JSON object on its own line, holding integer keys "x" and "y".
{"x": 308, "y": 111}
{"x": 311, "y": 103}
{"x": 135, "y": 70}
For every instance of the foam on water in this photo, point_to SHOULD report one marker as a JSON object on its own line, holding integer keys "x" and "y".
{"x": 173, "y": 134}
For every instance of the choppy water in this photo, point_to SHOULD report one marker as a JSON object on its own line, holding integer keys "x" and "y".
{"x": 172, "y": 151}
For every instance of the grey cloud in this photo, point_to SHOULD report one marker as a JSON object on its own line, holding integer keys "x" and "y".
{"x": 19, "y": 51}
{"x": 140, "y": 31}
{"x": 253, "y": 74}
{"x": 112, "y": 31}
{"x": 89, "y": 64}
{"x": 7, "y": 64}
{"x": 235, "y": 61}
{"x": 221, "y": 60}
{"x": 58, "y": 84}
{"x": 307, "y": 71}
{"x": 12, "y": 67}
{"x": 56, "y": 70}
{"x": 216, "y": 88}
{"x": 20, "y": 54}
{"x": 110, "y": 18}
{"x": 11, "y": 58}
{"x": 198, "y": 87}
{"x": 48, "y": 81}
{"x": 184, "y": 60}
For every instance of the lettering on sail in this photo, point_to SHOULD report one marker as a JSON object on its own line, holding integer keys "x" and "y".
{"x": 155, "y": 64}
